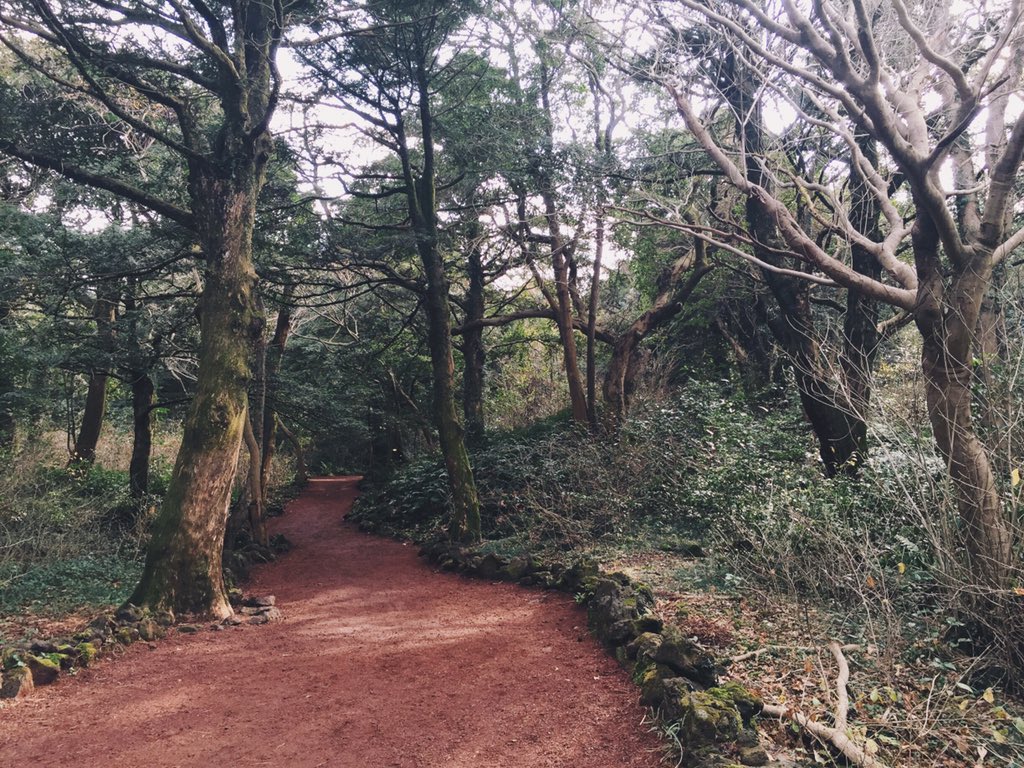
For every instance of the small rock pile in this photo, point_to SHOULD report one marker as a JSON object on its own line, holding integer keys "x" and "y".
{"x": 260, "y": 610}
{"x": 42, "y": 662}
{"x": 714, "y": 721}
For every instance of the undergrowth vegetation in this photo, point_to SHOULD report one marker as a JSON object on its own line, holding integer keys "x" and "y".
{"x": 706, "y": 471}
{"x": 70, "y": 536}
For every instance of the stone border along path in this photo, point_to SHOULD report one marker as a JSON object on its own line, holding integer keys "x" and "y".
{"x": 379, "y": 662}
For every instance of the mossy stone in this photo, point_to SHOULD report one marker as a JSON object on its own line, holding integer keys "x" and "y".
{"x": 87, "y": 652}
{"x": 686, "y": 658}
{"x": 12, "y": 659}
{"x": 129, "y": 613}
{"x": 516, "y": 569}
{"x": 749, "y": 705}
{"x": 44, "y": 669}
{"x": 614, "y": 608}
{"x": 149, "y": 630}
{"x": 644, "y": 646}
{"x": 126, "y": 635}
{"x": 708, "y": 717}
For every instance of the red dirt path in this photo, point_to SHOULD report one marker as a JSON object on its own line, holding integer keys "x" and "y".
{"x": 380, "y": 662}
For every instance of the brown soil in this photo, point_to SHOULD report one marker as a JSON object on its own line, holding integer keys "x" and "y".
{"x": 380, "y": 661}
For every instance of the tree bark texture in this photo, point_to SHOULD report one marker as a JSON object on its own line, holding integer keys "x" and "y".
{"x": 8, "y": 422}
{"x": 142, "y": 434}
{"x": 183, "y": 564}
{"x": 275, "y": 353}
{"x": 947, "y": 315}
{"x": 559, "y": 258}
{"x": 623, "y": 367}
{"x": 836, "y": 425}
{"x": 421, "y": 195}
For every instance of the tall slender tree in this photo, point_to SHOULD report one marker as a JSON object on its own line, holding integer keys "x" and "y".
{"x": 391, "y": 77}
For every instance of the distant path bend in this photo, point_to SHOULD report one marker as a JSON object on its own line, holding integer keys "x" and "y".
{"x": 380, "y": 662}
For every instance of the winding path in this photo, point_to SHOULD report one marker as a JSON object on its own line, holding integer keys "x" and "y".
{"x": 380, "y": 662}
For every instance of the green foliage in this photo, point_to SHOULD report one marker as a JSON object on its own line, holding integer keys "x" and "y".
{"x": 68, "y": 585}
{"x": 705, "y": 465}
{"x": 674, "y": 469}
{"x": 62, "y": 546}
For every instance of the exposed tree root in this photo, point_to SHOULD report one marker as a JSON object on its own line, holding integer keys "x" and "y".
{"x": 836, "y": 735}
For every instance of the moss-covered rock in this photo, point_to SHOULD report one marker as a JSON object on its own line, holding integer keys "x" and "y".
{"x": 749, "y": 705}
{"x": 579, "y": 578}
{"x": 490, "y": 566}
{"x": 67, "y": 655}
{"x": 126, "y": 635}
{"x": 44, "y": 669}
{"x": 614, "y": 608}
{"x": 87, "y": 653}
{"x": 687, "y": 658}
{"x": 657, "y": 685}
{"x": 753, "y": 756}
{"x": 644, "y": 646}
{"x": 708, "y": 717}
{"x": 149, "y": 630}
{"x": 129, "y": 614}
{"x": 516, "y": 569}
{"x": 11, "y": 658}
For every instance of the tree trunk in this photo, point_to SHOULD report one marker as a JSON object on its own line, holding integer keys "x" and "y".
{"x": 559, "y": 258}
{"x": 256, "y": 519}
{"x": 183, "y": 564}
{"x": 564, "y": 318}
{"x": 301, "y": 473}
{"x": 421, "y": 195}
{"x": 595, "y": 297}
{"x": 96, "y": 398}
{"x": 617, "y": 385}
{"x": 275, "y": 352}
{"x": 832, "y": 419}
{"x": 8, "y": 423}
{"x": 142, "y": 434}
{"x": 473, "y": 351}
{"x": 860, "y": 326}
{"x": 465, "y": 522}
{"x": 623, "y": 367}
{"x": 947, "y": 316}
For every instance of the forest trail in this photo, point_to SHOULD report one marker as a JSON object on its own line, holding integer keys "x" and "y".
{"x": 380, "y": 662}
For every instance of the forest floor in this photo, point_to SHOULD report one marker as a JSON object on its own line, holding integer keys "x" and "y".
{"x": 380, "y": 661}
{"x": 911, "y": 704}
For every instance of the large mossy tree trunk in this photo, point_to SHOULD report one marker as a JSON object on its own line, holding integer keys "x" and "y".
{"x": 421, "y": 194}
{"x": 207, "y": 104}
{"x": 465, "y": 521}
{"x": 183, "y": 564}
